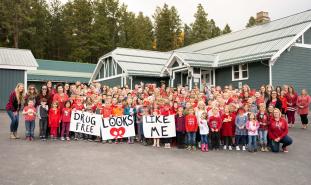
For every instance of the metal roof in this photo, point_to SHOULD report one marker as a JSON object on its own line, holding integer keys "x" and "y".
{"x": 140, "y": 62}
{"x": 13, "y": 58}
{"x": 61, "y": 71}
{"x": 257, "y": 42}
{"x": 196, "y": 59}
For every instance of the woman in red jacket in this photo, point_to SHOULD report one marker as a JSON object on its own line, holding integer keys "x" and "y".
{"x": 291, "y": 98}
{"x": 191, "y": 128}
{"x": 13, "y": 107}
{"x": 278, "y": 131}
{"x": 303, "y": 103}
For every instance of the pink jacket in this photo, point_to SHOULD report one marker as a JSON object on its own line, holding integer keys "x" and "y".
{"x": 252, "y": 128}
{"x": 305, "y": 102}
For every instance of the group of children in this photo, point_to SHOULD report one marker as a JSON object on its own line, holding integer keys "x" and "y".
{"x": 206, "y": 118}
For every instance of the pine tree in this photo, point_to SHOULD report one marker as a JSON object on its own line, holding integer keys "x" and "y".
{"x": 215, "y": 30}
{"x": 201, "y": 25}
{"x": 227, "y": 29}
{"x": 187, "y": 35}
{"x": 167, "y": 28}
{"x": 251, "y": 22}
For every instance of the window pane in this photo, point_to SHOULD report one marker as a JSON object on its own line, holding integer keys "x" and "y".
{"x": 244, "y": 74}
{"x": 236, "y": 68}
{"x": 244, "y": 66}
{"x": 236, "y": 75}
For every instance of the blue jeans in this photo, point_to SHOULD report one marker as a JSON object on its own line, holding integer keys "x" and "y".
{"x": 14, "y": 121}
{"x": 240, "y": 140}
{"x": 191, "y": 138}
{"x": 252, "y": 143}
{"x": 286, "y": 141}
{"x": 204, "y": 139}
{"x": 263, "y": 136}
{"x": 30, "y": 128}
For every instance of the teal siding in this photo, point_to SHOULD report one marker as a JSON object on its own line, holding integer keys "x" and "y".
{"x": 258, "y": 74}
{"x": 8, "y": 80}
{"x": 112, "y": 82}
{"x": 43, "y": 79}
{"x": 307, "y": 37}
{"x": 293, "y": 68}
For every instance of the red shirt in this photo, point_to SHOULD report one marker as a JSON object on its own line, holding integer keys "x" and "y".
{"x": 191, "y": 123}
{"x": 263, "y": 118}
{"x": 54, "y": 117}
{"x": 30, "y": 116}
{"x": 78, "y": 107}
{"x": 214, "y": 122}
{"x": 61, "y": 99}
{"x": 106, "y": 111}
{"x": 66, "y": 115}
{"x": 278, "y": 129}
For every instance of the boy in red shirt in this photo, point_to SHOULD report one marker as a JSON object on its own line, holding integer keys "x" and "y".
{"x": 30, "y": 117}
{"x": 214, "y": 123}
{"x": 191, "y": 128}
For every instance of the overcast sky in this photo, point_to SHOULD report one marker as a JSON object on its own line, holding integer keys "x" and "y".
{"x": 234, "y": 12}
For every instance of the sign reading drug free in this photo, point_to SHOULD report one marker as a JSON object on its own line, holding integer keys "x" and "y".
{"x": 85, "y": 122}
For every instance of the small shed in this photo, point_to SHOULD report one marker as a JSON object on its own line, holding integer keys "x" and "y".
{"x": 14, "y": 66}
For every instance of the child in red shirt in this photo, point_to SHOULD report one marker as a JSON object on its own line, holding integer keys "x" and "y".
{"x": 65, "y": 118}
{"x": 214, "y": 123}
{"x": 30, "y": 117}
{"x": 54, "y": 120}
{"x": 191, "y": 128}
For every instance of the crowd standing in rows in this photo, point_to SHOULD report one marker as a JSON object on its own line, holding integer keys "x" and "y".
{"x": 206, "y": 118}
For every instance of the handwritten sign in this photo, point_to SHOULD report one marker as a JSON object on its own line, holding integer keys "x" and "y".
{"x": 86, "y": 123}
{"x": 118, "y": 127}
{"x": 159, "y": 126}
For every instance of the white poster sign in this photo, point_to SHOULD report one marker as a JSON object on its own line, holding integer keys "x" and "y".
{"x": 86, "y": 123}
{"x": 118, "y": 127}
{"x": 159, "y": 126}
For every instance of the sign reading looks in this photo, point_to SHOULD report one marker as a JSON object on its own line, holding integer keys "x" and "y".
{"x": 118, "y": 127}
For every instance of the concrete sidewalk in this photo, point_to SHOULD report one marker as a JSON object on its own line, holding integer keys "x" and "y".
{"x": 80, "y": 162}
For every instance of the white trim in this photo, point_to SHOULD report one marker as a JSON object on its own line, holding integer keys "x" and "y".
{"x": 270, "y": 73}
{"x": 25, "y": 79}
{"x": 240, "y": 72}
{"x": 214, "y": 77}
{"x": 108, "y": 78}
{"x": 17, "y": 67}
{"x": 277, "y": 54}
{"x": 303, "y": 45}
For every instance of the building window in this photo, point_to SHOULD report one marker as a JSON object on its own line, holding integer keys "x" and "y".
{"x": 240, "y": 72}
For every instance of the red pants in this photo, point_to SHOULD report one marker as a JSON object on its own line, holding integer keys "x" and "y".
{"x": 54, "y": 131}
{"x": 291, "y": 117}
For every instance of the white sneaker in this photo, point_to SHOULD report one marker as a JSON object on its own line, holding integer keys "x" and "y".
{"x": 243, "y": 148}
{"x": 62, "y": 138}
{"x": 237, "y": 148}
{"x": 230, "y": 147}
{"x": 225, "y": 147}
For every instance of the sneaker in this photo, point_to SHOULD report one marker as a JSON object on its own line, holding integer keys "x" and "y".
{"x": 62, "y": 138}
{"x": 67, "y": 138}
{"x": 243, "y": 148}
{"x": 43, "y": 139}
{"x": 230, "y": 148}
{"x": 266, "y": 149}
{"x": 110, "y": 142}
{"x": 262, "y": 149}
{"x": 225, "y": 147}
{"x": 285, "y": 150}
{"x": 189, "y": 147}
{"x": 237, "y": 148}
{"x": 76, "y": 139}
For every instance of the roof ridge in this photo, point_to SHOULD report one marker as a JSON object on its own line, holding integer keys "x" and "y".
{"x": 195, "y": 53}
{"x": 65, "y": 61}
{"x": 245, "y": 29}
{"x": 166, "y": 52}
{"x": 15, "y": 49}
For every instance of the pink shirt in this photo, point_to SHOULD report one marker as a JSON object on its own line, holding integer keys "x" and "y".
{"x": 305, "y": 102}
{"x": 30, "y": 116}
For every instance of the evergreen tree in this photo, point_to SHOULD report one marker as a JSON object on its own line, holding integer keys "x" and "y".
{"x": 227, "y": 29}
{"x": 251, "y": 22}
{"x": 187, "y": 35}
{"x": 201, "y": 26}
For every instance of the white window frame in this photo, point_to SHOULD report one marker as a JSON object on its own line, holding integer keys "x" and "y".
{"x": 240, "y": 72}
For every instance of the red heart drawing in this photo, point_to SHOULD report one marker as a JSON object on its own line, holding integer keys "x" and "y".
{"x": 117, "y": 132}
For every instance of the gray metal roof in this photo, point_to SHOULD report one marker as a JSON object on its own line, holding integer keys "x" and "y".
{"x": 196, "y": 59}
{"x": 143, "y": 62}
{"x": 255, "y": 43}
{"x": 17, "y": 58}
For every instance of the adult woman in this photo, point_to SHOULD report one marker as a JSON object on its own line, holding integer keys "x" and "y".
{"x": 278, "y": 131}
{"x": 291, "y": 98}
{"x": 303, "y": 103}
{"x": 31, "y": 94}
{"x": 13, "y": 107}
{"x": 43, "y": 93}
{"x": 274, "y": 100}
{"x": 60, "y": 96}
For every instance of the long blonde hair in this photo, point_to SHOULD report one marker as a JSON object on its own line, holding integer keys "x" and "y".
{"x": 20, "y": 96}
